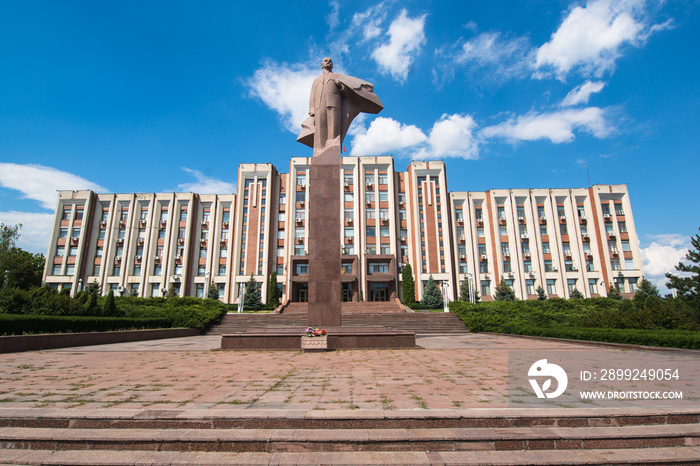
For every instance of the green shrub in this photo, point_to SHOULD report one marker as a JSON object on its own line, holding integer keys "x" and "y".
{"x": 15, "y": 324}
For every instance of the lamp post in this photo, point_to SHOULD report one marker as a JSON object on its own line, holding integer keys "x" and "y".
{"x": 445, "y": 293}
{"x": 241, "y": 293}
{"x": 470, "y": 284}
{"x": 7, "y": 278}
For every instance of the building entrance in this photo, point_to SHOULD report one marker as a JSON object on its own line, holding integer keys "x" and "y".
{"x": 304, "y": 293}
{"x": 347, "y": 292}
{"x": 379, "y": 292}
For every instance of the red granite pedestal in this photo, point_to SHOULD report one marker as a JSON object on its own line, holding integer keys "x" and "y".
{"x": 324, "y": 239}
{"x": 324, "y": 276}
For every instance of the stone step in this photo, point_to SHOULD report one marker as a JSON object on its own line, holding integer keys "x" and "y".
{"x": 339, "y": 419}
{"x": 421, "y": 323}
{"x": 645, "y": 456}
{"x": 272, "y": 440}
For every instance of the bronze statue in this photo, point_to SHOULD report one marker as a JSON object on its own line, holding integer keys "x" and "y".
{"x": 336, "y": 99}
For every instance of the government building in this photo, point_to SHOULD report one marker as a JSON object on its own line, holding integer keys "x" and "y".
{"x": 144, "y": 244}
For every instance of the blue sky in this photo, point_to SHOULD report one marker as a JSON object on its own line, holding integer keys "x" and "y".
{"x": 172, "y": 96}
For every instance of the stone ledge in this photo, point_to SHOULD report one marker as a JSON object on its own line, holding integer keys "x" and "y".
{"x": 338, "y": 338}
{"x": 21, "y": 343}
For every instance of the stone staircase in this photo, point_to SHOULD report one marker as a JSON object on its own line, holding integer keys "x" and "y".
{"x": 384, "y": 307}
{"x": 214, "y": 437}
{"x": 419, "y": 322}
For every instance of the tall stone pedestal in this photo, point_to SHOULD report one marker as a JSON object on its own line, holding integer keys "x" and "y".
{"x": 324, "y": 239}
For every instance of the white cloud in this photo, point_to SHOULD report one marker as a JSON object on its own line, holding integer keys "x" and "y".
{"x": 451, "y": 136}
{"x": 488, "y": 55}
{"x": 205, "y": 184}
{"x": 285, "y": 89}
{"x": 35, "y": 231}
{"x": 591, "y": 37}
{"x": 41, "y": 183}
{"x": 406, "y": 37}
{"x": 581, "y": 93}
{"x": 557, "y": 126}
{"x": 385, "y": 136}
{"x": 369, "y": 21}
{"x": 662, "y": 255}
{"x": 332, "y": 17}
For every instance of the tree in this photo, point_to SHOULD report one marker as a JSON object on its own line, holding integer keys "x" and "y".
{"x": 541, "y": 295}
{"x": 645, "y": 288}
{"x": 432, "y": 298}
{"x": 18, "y": 268}
{"x": 110, "y": 308}
{"x": 172, "y": 291}
{"x": 408, "y": 286}
{"x": 94, "y": 287}
{"x": 464, "y": 292}
{"x": 213, "y": 292}
{"x": 273, "y": 298}
{"x": 688, "y": 286}
{"x": 614, "y": 293}
{"x": 91, "y": 305}
{"x": 251, "y": 298}
{"x": 576, "y": 294}
{"x": 504, "y": 292}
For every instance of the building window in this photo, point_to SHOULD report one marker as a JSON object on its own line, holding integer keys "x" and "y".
{"x": 384, "y": 232}
{"x": 543, "y": 230}
{"x": 505, "y": 248}
{"x": 619, "y": 284}
{"x": 629, "y": 264}
{"x": 593, "y": 286}
{"x": 371, "y": 250}
{"x": 57, "y": 270}
{"x": 163, "y": 216}
{"x": 377, "y": 267}
{"x": 201, "y": 270}
{"x": 124, "y": 215}
{"x": 540, "y": 211}
{"x": 478, "y": 213}
{"x": 60, "y": 250}
{"x": 525, "y": 248}
{"x": 183, "y": 215}
{"x": 370, "y": 214}
{"x": 485, "y": 288}
{"x": 483, "y": 267}
{"x": 501, "y": 212}
{"x": 530, "y": 286}
{"x": 383, "y": 196}
{"x": 371, "y": 232}
{"x": 202, "y": 253}
{"x": 551, "y": 286}
{"x": 480, "y": 232}
{"x": 280, "y": 269}
{"x": 222, "y": 269}
{"x": 545, "y": 247}
{"x": 178, "y": 269}
{"x": 301, "y": 196}
{"x": 622, "y": 226}
{"x": 548, "y": 266}
{"x": 369, "y": 197}
{"x": 569, "y": 265}
{"x": 560, "y": 211}
{"x": 590, "y": 266}
{"x": 298, "y": 249}
{"x": 347, "y": 197}
{"x": 502, "y": 231}
{"x": 116, "y": 270}
{"x": 506, "y": 266}
{"x": 223, "y": 253}
{"x": 348, "y": 214}
{"x": 571, "y": 285}
{"x": 618, "y": 209}
{"x": 626, "y": 246}
{"x": 200, "y": 290}
{"x": 95, "y": 269}
{"x": 137, "y": 269}
{"x": 158, "y": 269}
{"x": 605, "y": 208}
{"x": 633, "y": 284}
{"x": 527, "y": 266}
{"x": 562, "y": 229}
{"x": 566, "y": 248}
{"x": 301, "y": 269}
{"x": 615, "y": 264}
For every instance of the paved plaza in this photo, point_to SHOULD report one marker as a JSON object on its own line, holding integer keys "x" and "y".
{"x": 446, "y": 372}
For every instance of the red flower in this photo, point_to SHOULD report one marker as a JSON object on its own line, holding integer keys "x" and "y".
{"x": 323, "y": 332}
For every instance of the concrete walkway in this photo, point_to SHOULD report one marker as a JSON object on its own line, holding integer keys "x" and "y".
{"x": 446, "y": 372}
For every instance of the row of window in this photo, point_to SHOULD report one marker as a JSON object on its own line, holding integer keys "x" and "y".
{"x": 571, "y": 285}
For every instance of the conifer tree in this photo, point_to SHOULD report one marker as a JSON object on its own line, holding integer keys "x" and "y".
{"x": 273, "y": 298}
{"x": 110, "y": 307}
{"x": 251, "y": 298}
{"x": 432, "y": 298}
{"x": 576, "y": 294}
{"x": 614, "y": 293}
{"x": 541, "y": 295}
{"x": 688, "y": 287}
{"x": 464, "y": 291}
{"x": 504, "y": 292}
{"x": 213, "y": 292}
{"x": 645, "y": 288}
{"x": 408, "y": 286}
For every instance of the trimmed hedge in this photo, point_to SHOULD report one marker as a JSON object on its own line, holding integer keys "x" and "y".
{"x": 18, "y": 324}
{"x": 664, "y": 338}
